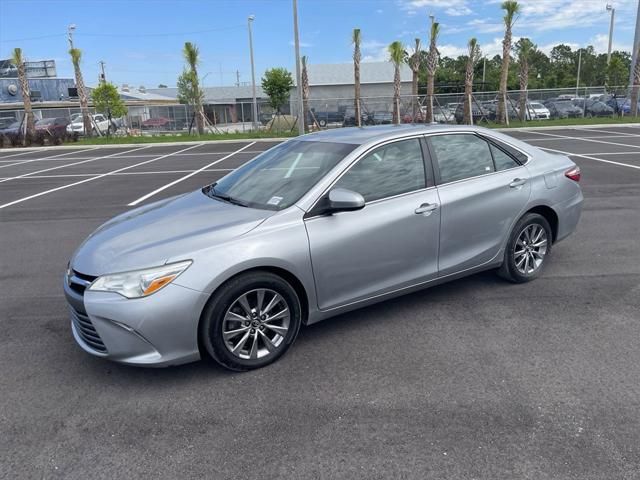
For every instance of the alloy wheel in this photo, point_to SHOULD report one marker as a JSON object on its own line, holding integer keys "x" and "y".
{"x": 530, "y": 249}
{"x": 256, "y": 324}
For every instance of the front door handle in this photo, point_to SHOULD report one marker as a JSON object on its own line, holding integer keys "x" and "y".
{"x": 426, "y": 208}
{"x": 517, "y": 182}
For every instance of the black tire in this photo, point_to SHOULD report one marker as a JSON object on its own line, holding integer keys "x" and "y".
{"x": 509, "y": 270}
{"x": 211, "y": 324}
{"x": 322, "y": 123}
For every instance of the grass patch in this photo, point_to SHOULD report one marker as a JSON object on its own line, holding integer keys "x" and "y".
{"x": 182, "y": 138}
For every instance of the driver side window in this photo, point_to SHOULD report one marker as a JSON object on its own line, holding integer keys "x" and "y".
{"x": 390, "y": 170}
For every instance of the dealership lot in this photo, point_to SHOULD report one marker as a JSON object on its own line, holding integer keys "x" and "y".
{"x": 477, "y": 378}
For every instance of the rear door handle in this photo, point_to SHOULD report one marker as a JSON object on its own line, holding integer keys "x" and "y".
{"x": 517, "y": 182}
{"x": 426, "y": 208}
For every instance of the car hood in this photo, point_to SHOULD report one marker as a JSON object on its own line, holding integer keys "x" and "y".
{"x": 173, "y": 228}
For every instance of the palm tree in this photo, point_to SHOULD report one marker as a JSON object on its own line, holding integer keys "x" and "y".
{"x": 305, "y": 92}
{"x": 511, "y": 9}
{"x": 76, "y": 56}
{"x": 636, "y": 84}
{"x": 414, "y": 64}
{"x": 432, "y": 65}
{"x": 191, "y": 56}
{"x": 396, "y": 56}
{"x": 356, "y": 39}
{"x": 18, "y": 61}
{"x": 474, "y": 55}
{"x": 525, "y": 48}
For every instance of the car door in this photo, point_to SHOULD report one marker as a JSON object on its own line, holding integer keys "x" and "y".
{"x": 483, "y": 190}
{"x": 389, "y": 244}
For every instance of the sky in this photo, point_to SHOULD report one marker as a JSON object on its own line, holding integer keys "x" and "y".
{"x": 140, "y": 41}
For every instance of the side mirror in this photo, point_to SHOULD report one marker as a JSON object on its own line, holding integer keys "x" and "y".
{"x": 343, "y": 200}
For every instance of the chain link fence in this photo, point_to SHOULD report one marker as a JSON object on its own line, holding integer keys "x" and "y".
{"x": 539, "y": 105}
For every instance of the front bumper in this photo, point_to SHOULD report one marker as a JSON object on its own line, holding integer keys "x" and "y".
{"x": 158, "y": 330}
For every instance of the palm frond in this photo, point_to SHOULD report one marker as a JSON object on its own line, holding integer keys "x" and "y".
{"x": 191, "y": 54}
{"x": 396, "y": 52}
{"x": 16, "y": 57}
{"x": 356, "y": 37}
{"x": 76, "y": 55}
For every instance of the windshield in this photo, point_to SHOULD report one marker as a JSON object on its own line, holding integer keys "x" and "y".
{"x": 279, "y": 177}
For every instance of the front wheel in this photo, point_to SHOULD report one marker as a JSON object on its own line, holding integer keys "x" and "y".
{"x": 528, "y": 247}
{"x": 251, "y": 321}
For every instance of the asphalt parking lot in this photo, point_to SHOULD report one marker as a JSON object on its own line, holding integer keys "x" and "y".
{"x": 476, "y": 379}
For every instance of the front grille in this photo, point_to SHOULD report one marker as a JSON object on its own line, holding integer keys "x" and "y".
{"x": 87, "y": 331}
{"x": 78, "y": 282}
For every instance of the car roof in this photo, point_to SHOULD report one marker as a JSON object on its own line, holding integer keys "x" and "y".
{"x": 362, "y": 135}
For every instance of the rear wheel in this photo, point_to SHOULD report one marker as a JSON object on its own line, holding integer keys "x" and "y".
{"x": 251, "y": 321}
{"x": 528, "y": 247}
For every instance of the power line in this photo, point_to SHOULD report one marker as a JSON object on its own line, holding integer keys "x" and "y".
{"x": 33, "y": 38}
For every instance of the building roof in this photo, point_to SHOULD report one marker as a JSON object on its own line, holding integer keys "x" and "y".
{"x": 215, "y": 94}
{"x": 342, "y": 73}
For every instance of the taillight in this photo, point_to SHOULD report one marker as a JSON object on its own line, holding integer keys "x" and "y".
{"x": 573, "y": 173}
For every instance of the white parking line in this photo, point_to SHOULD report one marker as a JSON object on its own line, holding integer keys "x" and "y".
{"x": 622, "y": 134}
{"x": 637, "y": 167}
{"x": 93, "y": 159}
{"x": 564, "y": 137}
{"x": 164, "y": 187}
{"x": 17, "y": 154}
{"x": 51, "y": 190}
{"x": 160, "y": 172}
{"x": 47, "y": 158}
{"x": 610, "y": 153}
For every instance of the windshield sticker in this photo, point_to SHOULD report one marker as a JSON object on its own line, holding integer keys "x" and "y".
{"x": 274, "y": 201}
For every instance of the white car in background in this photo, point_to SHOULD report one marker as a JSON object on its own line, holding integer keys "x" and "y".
{"x": 99, "y": 123}
{"x": 537, "y": 111}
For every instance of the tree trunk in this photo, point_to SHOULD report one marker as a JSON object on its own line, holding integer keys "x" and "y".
{"x": 504, "y": 74}
{"x": 26, "y": 99}
{"x": 636, "y": 85}
{"x": 396, "y": 95}
{"x": 524, "y": 80}
{"x": 430, "y": 89}
{"x": 414, "y": 94}
{"x": 468, "y": 108}
{"x": 356, "y": 75}
{"x": 84, "y": 102}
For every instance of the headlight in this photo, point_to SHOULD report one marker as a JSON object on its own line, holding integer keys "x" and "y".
{"x": 139, "y": 283}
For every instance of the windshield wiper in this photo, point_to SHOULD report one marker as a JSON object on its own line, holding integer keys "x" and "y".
{"x": 211, "y": 192}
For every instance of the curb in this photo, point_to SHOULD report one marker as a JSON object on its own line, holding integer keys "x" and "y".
{"x": 568, "y": 127}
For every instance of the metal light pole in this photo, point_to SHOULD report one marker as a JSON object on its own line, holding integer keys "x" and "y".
{"x": 70, "y": 29}
{"x": 636, "y": 41}
{"x": 296, "y": 41}
{"x": 613, "y": 14}
{"x": 253, "y": 74}
{"x": 579, "y": 66}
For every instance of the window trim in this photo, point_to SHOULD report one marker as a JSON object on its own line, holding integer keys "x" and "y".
{"x": 428, "y": 172}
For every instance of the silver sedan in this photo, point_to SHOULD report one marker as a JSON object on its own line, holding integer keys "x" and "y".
{"x": 314, "y": 227}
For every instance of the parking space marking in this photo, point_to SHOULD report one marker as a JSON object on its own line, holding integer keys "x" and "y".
{"x": 533, "y": 139}
{"x": 47, "y": 158}
{"x": 637, "y": 167}
{"x": 164, "y": 187}
{"x": 52, "y": 190}
{"x": 583, "y": 139}
{"x": 18, "y": 154}
{"x": 92, "y": 159}
{"x": 610, "y": 153}
{"x": 611, "y": 133}
{"x": 160, "y": 172}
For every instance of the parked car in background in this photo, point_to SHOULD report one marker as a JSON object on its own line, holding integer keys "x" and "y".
{"x": 158, "y": 123}
{"x": 563, "y": 108}
{"x": 99, "y": 123}
{"x": 52, "y": 129}
{"x": 381, "y": 117}
{"x": 327, "y": 117}
{"x": 478, "y": 112}
{"x": 350, "y": 118}
{"x": 537, "y": 111}
{"x": 620, "y": 105}
{"x": 592, "y": 107}
{"x": 314, "y": 227}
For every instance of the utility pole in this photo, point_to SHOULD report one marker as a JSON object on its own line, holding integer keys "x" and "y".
{"x": 250, "y": 20}
{"x": 70, "y": 29}
{"x": 636, "y": 41}
{"x": 578, "y": 75}
{"x": 103, "y": 78}
{"x": 613, "y": 14}
{"x": 237, "y": 78}
{"x": 296, "y": 41}
{"x": 484, "y": 69}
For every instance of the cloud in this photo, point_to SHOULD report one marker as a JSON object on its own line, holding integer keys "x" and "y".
{"x": 302, "y": 44}
{"x": 453, "y": 8}
{"x": 601, "y": 44}
{"x": 451, "y": 51}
